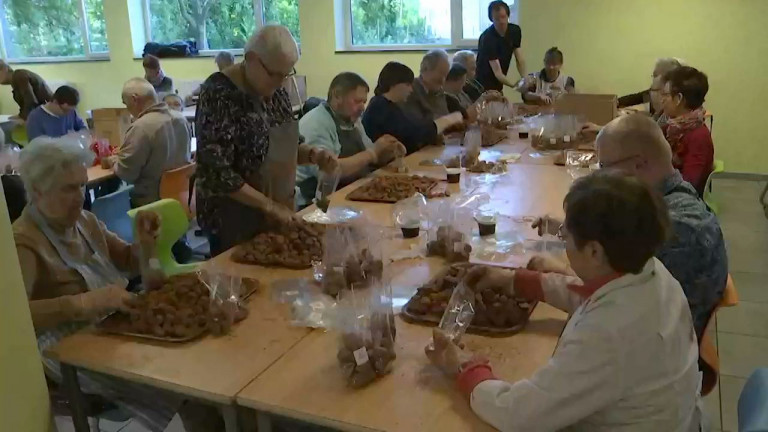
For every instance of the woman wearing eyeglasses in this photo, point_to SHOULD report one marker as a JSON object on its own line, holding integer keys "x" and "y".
{"x": 249, "y": 143}
{"x": 627, "y": 359}
{"x": 682, "y": 99}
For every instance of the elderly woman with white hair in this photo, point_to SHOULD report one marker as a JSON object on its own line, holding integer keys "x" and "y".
{"x": 472, "y": 86}
{"x": 249, "y": 143}
{"x": 652, "y": 95}
{"x": 73, "y": 267}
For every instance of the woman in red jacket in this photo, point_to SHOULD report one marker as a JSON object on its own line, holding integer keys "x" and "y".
{"x": 682, "y": 98}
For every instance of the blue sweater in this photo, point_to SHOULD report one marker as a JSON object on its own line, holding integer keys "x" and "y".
{"x": 40, "y": 122}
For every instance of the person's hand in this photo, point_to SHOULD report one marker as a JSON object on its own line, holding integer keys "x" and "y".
{"x": 545, "y": 99}
{"x": 483, "y": 278}
{"x": 445, "y": 354}
{"x": 547, "y": 225}
{"x": 325, "y": 160}
{"x": 387, "y": 148}
{"x": 282, "y": 215}
{"x": 590, "y": 128}
{"x": 548, "y": 264}
{"x": 100, "y": 302}
{"x": 107, "y": 162}
{"x": 147, "y": 227}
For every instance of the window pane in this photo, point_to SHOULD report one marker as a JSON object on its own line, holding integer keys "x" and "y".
{"x": 214, "y": 24}
{"x": 393, "y": 22}
{"x": 97, "y": 31}
{"x": 474, "y": 16}
{"x": 285, "y": 12}
{"x": 42, "y": 28}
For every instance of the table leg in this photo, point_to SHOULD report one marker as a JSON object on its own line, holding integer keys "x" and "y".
{"x": 229, "y": 412}
{"x": 263, "y": 422}
{"x": 75, "y": 398}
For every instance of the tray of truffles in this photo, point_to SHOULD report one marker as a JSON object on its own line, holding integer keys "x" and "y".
{"x": 496, "y": 313}
{"x": 181, "y": 310}
{"x": 296, "y": 246}
{"x": 391, "y": 189}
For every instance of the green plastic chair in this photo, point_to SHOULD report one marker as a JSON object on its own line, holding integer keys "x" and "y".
{"x": 173, "y": 224}
{"x": 717, "y": 167}
{"x": 19, "y": 135}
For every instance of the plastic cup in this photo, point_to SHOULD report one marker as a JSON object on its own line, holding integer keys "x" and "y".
{"x": 453, "y": 175}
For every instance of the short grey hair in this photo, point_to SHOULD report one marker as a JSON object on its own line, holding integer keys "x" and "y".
{"x": 432, "y": 59}
{"x": 139, "y": 87}
{"x": 273, "y": 41}
{"x": 667, "y": 64}
{"x": 44, "y": 159}
{"x": 463, "y": 57}
{"x": 224, "y": 56}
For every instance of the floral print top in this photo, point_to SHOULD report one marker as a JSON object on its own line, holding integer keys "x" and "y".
{"x": 232, "y": 142}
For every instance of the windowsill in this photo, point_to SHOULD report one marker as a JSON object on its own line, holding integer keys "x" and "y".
{"x": 402, "y": 49}
{"x": 201, "y": 54}
{"x": 44, "y": 60}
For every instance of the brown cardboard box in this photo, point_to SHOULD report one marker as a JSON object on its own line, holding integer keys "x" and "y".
{"x": 596, "y": 108}
{"x": 111, "y": 124}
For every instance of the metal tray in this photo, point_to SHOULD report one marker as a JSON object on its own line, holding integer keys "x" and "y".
{"x": 117, "y": 322}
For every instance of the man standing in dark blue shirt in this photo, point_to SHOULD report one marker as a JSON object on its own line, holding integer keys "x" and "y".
{"x": 496, "y": 46}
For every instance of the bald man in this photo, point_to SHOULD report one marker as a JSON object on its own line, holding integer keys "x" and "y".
{"x": 695, "y": 254}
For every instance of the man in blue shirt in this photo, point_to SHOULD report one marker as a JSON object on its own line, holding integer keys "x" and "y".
{"x": 57, "y": 117}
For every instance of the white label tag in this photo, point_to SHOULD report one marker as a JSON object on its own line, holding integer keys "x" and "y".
{"x": 154, "y": 264}
{"x": 361, "y": 356}
{"x": 458, "y": 247}
{"x": 567, "y": 138}
{"x": 553, "y": 141}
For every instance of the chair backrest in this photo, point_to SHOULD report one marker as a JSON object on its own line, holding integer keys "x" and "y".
{"x": 174, "y": 184}
{"x": 173, "y": 225}
{"x": 753, "y": 403}
{"x": 296, "y": 86}
{"x": 15, "y": 195}
{"x": 113, "y": 210}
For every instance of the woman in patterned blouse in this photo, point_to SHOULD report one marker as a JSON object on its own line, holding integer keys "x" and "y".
{"x": 248, "y": 143}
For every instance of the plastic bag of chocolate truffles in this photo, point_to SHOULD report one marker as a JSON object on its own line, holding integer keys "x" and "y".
{"x": 459, "y": 313}
{"x": 225, "y": 303}
{"x": 366, "y": 324}
{"x": 408, "y": 214}
{"x": 448, "y": 233}
{"x": 352, "y": 257}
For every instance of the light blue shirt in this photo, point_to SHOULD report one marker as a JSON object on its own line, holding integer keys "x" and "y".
{"x": 319, "y": 130}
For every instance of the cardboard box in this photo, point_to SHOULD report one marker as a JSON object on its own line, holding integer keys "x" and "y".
{"x": 111, "y": 124}
{"x": 596, "y": 108}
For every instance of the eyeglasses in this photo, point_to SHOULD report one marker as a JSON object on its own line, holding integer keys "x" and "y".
{"x": 616, "y": 162}
{"x": 276, "y": 75}
{"x": 655, "y": 90}
{"x": 561, "y": 235}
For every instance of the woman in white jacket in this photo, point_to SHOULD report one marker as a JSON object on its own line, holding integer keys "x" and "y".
{"x": 628, "y": 357}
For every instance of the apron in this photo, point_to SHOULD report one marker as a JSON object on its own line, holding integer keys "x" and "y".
{"x": 97, "y": 272}
{"x": 351, "y": 144}
{"x": 276, "y": 179}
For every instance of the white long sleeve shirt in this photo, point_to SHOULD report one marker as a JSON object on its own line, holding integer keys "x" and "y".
{"x": 626, "y": 361}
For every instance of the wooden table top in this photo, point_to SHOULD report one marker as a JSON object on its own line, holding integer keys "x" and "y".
{"x": 97, "y": 174}
{"x": 267, "y": 347}
{"x": 209, "y": 368}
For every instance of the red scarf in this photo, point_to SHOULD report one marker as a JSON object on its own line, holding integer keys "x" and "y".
{"x": 677, "y": 127}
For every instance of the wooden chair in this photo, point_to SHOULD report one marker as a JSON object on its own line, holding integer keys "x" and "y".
{"x": 174, "y": 185}
{"x": 709, "y": 362}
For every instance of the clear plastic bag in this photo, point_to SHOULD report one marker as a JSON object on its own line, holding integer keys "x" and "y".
{"x": 449, "y": 232}
{"x": 555, "y": 131}
{"x": 226, "y": 307}
{"x": 9, "y": 159}
{"x": 409, "y": 213}
{"x": 459, "y": 313}
{"x": 352, "y": 257}
{"x": 366, "y": 324}
{"x": 579, "y": 162}
{"x": 326, "y": 185}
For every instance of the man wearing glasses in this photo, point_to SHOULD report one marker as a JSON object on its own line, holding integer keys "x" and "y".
{"x": 249, "y": 144}
{"x": 695, "y": 253}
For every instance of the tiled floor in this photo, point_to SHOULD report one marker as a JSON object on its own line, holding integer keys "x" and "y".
{"x": 741, "y": 332}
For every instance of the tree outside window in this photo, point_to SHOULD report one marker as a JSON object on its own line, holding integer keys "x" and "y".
{"x": 217, "y": 24}
{"x": 52, "y": 28}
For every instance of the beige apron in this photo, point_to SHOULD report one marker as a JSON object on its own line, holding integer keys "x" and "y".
{"x": 276, "y": 179}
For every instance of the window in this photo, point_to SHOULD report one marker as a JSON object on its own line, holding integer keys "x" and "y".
{"x": 412, "y": 24}
{"x": 51, "y": 29}
{"x": 216, "y": 24}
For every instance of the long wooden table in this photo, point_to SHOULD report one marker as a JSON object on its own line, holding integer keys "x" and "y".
{"x": 274, "y": 368}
